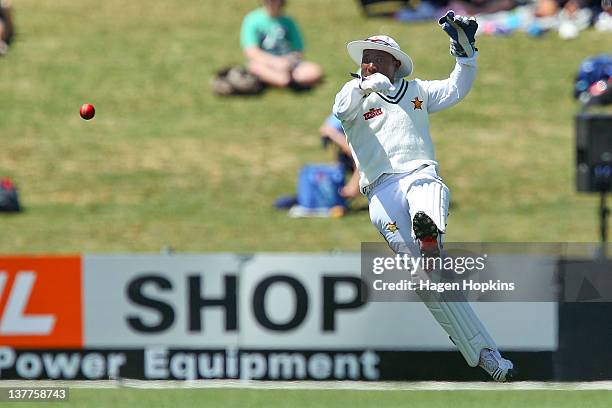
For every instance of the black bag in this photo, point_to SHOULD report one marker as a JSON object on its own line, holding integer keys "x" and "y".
{"x": 9, "y": 200}
{"x": 236, "y": 80}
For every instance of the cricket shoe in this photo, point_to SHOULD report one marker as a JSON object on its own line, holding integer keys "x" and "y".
{"x": 426, "y": 231}
{"x": 500, "y": 369}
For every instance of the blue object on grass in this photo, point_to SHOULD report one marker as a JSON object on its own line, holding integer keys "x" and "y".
{"x": 319, "y": 186}
{"x": 591, "y": 70}
{"x": 285, "y": 202}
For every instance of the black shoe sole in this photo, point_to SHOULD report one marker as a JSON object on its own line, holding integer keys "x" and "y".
{"x": 424, "y": 227}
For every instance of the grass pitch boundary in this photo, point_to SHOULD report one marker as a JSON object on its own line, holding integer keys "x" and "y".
{"x": 318, "y": 385}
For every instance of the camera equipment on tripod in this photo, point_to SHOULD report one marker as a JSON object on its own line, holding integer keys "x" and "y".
{"x": 593, "y": 152}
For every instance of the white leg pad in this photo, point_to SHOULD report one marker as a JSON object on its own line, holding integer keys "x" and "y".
{"x": 430, "y": 196}
{"x": 462, "y": 325}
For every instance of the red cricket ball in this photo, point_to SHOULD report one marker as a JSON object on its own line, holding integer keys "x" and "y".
{"x": 87, "y": 111}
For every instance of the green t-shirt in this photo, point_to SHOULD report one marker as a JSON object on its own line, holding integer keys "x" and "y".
{"x": 276, "y": 35}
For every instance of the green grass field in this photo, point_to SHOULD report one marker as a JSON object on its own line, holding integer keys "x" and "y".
{"x": 330, "y": 399}
{"x": 166, "y": 163}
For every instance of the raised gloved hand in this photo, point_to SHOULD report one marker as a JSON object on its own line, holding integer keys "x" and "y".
{"x": 462, "y": 31}
{"x": 376, "y": 82}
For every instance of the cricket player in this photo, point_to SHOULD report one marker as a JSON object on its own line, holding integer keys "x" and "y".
{"x": 386, "y": 120}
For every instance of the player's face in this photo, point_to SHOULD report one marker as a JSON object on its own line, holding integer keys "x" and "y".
{"x": 374, "y": 61}
{"x": 274, "y": 7}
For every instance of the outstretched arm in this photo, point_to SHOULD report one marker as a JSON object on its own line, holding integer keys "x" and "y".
{"x": 446, "y": 93}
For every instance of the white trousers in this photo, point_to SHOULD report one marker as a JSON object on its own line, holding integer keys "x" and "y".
{"x": 397, "y": 198}
{"x": 394, "y": 201}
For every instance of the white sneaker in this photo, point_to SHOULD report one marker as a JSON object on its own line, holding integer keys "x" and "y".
{"x": 604, "y": 22}
{"x": 499, "y": 368}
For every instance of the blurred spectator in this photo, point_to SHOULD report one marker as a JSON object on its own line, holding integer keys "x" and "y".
{"x": 331, "y": 130}
{"x": 273, "y": 46}
{"x": 603, "y": 22}
{"x": 573, "y": 15}
{"x": 568, "y": 17}
{"x": 434, "y": 9}
{"x": 545, "y": 8}
{"x": 6, "y": 26}
{"x": 535, "y": 17}
{"x": 473, "y": 7}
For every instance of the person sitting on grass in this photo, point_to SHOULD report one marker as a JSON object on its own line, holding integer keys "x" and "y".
{"x": 332, "y": 130}
{"x": 273, "y": 46}
{"x": 6, "y": 26}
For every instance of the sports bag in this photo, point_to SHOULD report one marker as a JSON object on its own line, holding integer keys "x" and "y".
{"x": 319, "y": 186}
{"x": 9, "y": 200}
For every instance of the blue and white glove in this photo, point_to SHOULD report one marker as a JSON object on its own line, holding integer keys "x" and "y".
{"x": 461, "y": 31}
{"x": 376, "y": 83}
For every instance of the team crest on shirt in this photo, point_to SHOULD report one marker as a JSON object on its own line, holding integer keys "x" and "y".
{"x": 417, "y": 103}
{"x": 391, "y": 226}
{"x": 372, "y": 113}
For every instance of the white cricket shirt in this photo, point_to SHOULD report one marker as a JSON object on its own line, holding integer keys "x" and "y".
{"x": 390, "y": 133}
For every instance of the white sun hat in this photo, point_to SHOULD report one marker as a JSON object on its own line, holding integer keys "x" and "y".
{"x": 382, "y": 43}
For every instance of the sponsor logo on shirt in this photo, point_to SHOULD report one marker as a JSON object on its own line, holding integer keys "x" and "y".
{"x": 372, "y": 113}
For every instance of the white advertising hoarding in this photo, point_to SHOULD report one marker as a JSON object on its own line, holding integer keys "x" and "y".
{"x": 137, "y": 300}
{"x": 282, "y": 301}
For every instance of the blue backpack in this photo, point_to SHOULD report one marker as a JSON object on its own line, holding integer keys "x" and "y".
{"x": 319, "y": 186}
{"x": 592, "y": 70}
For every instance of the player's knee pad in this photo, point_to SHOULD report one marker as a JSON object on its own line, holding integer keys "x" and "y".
{"x": 430, "y": 196}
